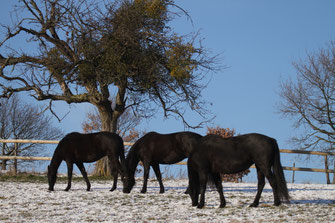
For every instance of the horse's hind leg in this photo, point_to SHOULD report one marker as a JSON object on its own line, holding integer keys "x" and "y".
{"x": 159, "y": 177}
{"x": 260, "y": 186}
{"x": 202, "y": 185}
{"x": 83, "y": 172}
{"x": 273, "y": 182}
{"x": 115, "y": 176}
{"x": 218, "y": 183}
{"x": 115, "y": 167}
{"x": 69, "y": 174}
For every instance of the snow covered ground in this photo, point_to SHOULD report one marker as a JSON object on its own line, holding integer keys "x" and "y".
{"x": 31, "y": 202}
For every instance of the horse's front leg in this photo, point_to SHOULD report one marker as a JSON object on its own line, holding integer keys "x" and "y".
{"x": 69, "y": 174}
{"x": 83, "y": 172}
{"x": 159, "y": 177}
{"x": 146, "y": 167}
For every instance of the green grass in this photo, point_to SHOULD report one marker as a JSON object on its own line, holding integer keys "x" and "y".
{"x": 23, "y": 178}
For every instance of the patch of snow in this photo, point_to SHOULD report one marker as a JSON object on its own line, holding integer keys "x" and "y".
{"x": 32, "y": 202}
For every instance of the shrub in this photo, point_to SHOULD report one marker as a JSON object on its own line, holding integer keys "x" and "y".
{"x": 225, "y": 133}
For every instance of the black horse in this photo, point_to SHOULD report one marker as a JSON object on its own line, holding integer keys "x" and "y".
{"x": 154, "y": 149}
{"x": 215, "y": 155}
{"x": 85, "y": 148}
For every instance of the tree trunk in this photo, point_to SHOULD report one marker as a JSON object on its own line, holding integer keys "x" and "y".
{"x": 109, "y": 119}
{"x": 102, "y": 167}
{"x": 106, "y": 116}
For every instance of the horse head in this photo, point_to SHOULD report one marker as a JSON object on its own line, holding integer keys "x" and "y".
{"x": 52, "y": 177}
{"x": 128, "y": 183}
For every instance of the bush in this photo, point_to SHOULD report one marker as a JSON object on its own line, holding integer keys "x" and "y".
{"x": 225, "y": 133}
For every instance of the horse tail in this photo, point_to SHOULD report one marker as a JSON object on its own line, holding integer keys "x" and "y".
{"x": 279, "y": 174}
{"x": 123, "y": 169}
{"x": 123, "y": 160}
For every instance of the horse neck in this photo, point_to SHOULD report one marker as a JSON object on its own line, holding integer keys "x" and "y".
{"x": 132, "y": 161}
{"x": 55, "y": 163}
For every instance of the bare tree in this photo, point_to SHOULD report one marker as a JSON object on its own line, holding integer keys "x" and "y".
{"x": 19, "y": 120}
{"x": 87, "y": 51}
{"x": 310, "y": 100}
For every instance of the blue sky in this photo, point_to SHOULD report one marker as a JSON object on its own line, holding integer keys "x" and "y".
{"x": 258, "y": 40}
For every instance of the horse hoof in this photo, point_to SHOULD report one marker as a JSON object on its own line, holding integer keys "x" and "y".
{"x": 200, "y": 206}
{"x": 113, "y": 189}
{"x": 253, "y": 205}
{"x": 277, "y": 203}
{"x": 222, "y": 206}
{"x": 143, "y": 191}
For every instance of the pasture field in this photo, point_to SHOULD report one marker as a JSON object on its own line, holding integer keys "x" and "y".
{"x": 31, "y": 202}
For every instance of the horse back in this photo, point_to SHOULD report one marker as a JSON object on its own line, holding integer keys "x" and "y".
{"x": 90, "y": 147}
{"x": 166, "y": 148}
{"x": 234, "y": 154}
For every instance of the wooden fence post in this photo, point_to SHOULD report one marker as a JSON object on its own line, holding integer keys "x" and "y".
{"x": 3, "y": 163}
{"x": 15, "y": 160}
{"x": 293, "y": 172}
{"x": 326, "y": 168}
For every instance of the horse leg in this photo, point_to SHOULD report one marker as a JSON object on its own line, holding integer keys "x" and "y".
{"x": 83, "y": 172}
{"x": 187, "y": 190}
{"x": 146, "y": 167}
{"x": 115, "y": 176}
{"x": 115, "y": 167}
{"x": 273, "y": 182}
{"x": 69, "y": 174}
{"x": 260, "y": 186}
{"x": 193, "y": 183}
{"x": 202, "y": 185}
{"x": 218, "y": 184}
{"x": 159, "y": 177}
{"x": 194, "y": 195}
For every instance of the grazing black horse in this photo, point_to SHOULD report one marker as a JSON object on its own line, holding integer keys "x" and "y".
{"x": 85, "y": 148}
{"x": 154, "y": 149}
{"x": 215, "y": 155}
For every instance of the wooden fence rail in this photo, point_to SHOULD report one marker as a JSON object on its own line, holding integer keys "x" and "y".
{"x": 325, "y": 154}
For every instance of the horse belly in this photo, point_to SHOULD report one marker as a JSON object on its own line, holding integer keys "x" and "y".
{"x": 89, "y": 157}
{"x": 168, "y": 158}
{"x": 231, "y": 167}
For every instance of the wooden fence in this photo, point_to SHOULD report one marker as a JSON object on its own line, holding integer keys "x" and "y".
{"x": 324, "y": 154}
